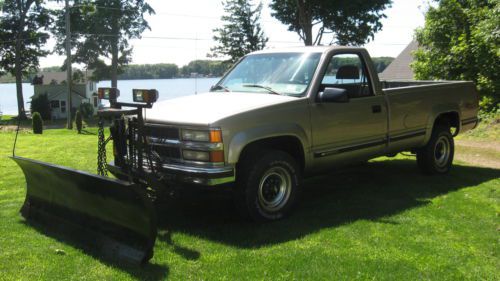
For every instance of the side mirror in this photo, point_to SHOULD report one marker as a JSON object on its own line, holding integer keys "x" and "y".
{"x": 336, "y": 95}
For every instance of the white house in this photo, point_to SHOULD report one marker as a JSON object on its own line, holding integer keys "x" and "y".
{"x": 84, "y": 90}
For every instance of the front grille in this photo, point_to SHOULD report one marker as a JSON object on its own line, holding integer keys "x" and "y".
{"x": 167, "y": 151}
{"x": 161, "y": 132}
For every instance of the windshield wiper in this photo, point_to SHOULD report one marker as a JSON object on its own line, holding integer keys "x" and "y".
{"x": 262, "y": 87}
{"x": 220, "y": 87}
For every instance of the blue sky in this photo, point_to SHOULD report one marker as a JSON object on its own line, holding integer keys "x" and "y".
{"x": 182, "y": 31}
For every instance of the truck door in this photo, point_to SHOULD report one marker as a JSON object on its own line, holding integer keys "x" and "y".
{"x": 349, "y": 129}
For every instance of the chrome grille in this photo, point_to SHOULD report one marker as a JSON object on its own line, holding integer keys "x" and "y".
{"x": 161, "y": 132}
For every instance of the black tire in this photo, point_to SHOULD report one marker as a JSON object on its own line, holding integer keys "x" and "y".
{"x": 436, "y": 157}
{"x": 268, "y": 185}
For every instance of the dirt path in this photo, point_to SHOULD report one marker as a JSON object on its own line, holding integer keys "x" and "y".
{"x": 478, "y": 153}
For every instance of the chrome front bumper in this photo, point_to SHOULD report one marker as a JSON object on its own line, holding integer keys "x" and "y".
{"x": 208, "y": 176}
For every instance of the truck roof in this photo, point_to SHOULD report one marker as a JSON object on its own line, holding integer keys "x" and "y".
{"x": 304, "y": 49}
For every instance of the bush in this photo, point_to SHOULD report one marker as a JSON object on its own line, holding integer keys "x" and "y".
{"x": 37, "y": 123}
{"x": 78, "y": 121}
{"x": 41, "y": 105}
{"x": 87, "y": 110}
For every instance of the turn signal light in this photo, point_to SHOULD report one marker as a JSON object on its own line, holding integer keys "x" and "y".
{"x": 215, "y": 136}
{"x": 108, "y": 93}
{"x": 217, "y": 156}
{"x": 147, "y": 96}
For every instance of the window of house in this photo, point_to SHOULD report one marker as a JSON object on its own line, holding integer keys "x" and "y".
{"x": 63, "y": 106}
{"x": 54, "y": 104}
{"x": 96, "y": 101}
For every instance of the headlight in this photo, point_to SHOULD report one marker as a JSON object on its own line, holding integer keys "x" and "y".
{"x": 195, "y": 135}
{"x": 194, "y": 155}
{"x": 213, "y": 135}
{"x": 216, "y": 156}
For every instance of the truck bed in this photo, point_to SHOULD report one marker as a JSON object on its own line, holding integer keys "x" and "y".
{"x": 391, "y": 84}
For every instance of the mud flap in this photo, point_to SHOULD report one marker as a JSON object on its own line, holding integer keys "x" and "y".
{"x": 114, "y": 217}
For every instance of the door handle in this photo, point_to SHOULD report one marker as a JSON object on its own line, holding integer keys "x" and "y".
{"x": 376, "y": 108}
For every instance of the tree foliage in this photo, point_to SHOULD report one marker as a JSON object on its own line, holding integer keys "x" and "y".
{"x": 149, "y": 71}
{"x": 461, "y": 41}
{"x": 37, "y": 123}
{"x": 41, "y": 104}
{"x": 22, "y": 35}
{"x": 205, "y": 67}
{"x": 351, "y": 22}
{"x": 241, "y": 33}
{"x": 78, "y": 121}
{"x": 101, "y": 31}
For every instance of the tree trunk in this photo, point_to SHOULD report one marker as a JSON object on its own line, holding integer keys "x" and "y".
{"x": 305, "y": 21}
{"x": 19, "y": 84}
{"x": 114, "y": 65}
{"x": 18, "y": 68}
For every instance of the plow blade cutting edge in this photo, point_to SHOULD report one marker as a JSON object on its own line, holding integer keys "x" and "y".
{"x": 112, "y": 216}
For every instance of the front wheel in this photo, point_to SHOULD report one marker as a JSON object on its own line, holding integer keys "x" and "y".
{"x": 437, "y": 156}
{"x": 268, "y": 185}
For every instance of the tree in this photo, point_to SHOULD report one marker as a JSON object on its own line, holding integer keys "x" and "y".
{"x": 102, "y": 30}
{"x": 22, "y": 27}
{"x": 461, "y": 41}
{"x": 241, "y": 33}
{"x": 350, "y": 21}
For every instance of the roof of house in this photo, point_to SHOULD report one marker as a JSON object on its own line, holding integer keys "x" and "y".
{"x": 400, "y": 68}
{"x": 51, "y": 78}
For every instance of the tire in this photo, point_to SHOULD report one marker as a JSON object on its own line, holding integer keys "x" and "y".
{"x": 268, "y": 185}
{"x": 436, "y": 157}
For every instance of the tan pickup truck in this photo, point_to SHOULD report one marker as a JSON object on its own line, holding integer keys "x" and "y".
{"x": 280, "y": 115}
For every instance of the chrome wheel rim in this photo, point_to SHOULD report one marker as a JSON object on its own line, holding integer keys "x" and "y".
{"x": 442, "y": 151}
{"x": 274, "y": 189}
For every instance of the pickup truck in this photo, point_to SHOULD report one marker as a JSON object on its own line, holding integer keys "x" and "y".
{"x": 281, "y": 115}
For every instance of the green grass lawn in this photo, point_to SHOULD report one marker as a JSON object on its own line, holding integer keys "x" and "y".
{"x": 380, "y": 221}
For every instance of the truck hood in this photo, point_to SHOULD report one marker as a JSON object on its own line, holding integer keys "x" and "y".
{"x": 207, "y": 108}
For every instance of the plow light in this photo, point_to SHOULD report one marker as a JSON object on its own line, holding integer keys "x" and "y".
{"x": 108, "y": 93}
{"x": 147, "y": 96}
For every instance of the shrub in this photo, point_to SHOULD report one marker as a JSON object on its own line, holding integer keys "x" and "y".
{"x": 37, "y": 123}
{"x": 87, "y": 110}
{"x": 41, "y": 105}
{"x": 78, "y": 121}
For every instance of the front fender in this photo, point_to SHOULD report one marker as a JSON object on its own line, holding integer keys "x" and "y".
{"x": 242, "y": 139}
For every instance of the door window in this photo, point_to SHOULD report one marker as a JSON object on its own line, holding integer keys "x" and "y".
{"x": 347, "y": 71}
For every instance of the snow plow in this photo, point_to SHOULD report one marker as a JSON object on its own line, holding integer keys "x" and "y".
{"x": 114, "y": 216}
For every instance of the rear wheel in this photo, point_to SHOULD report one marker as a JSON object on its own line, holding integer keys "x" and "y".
{"x": 437, "y": 156}
{"x": 268, "y": 185}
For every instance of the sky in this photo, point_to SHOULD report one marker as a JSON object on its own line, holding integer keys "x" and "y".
{"x": 181, "y": 31}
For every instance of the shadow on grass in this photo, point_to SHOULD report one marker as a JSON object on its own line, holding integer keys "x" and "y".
{"x": 146, "y": 271}
{"x": 369, "y": 192}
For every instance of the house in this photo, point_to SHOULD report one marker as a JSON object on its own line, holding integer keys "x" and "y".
{"x": 84, "y": 90}
{"x": 400, "y": 69}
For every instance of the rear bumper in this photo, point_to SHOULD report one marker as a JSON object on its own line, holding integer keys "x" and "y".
{"x": 188, "y": 175}
{"x": 469, "y": 124}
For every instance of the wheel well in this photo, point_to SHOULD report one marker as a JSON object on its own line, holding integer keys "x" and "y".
{"x": 451, "y": 119}
{"x": 288, "y": 144}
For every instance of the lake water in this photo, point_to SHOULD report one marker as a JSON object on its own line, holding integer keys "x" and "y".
{"x": 168, "y": 89}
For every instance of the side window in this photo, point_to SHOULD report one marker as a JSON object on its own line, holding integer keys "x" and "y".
{"x": 347, "y": 71}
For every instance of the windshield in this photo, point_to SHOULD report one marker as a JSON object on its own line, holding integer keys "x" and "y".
{"x": 273, "y": 73}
